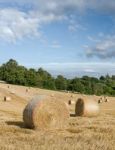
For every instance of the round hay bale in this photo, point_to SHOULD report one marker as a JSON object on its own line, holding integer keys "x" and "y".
{"x": 6, "y": 98}
{"x": 27, "y": 90}
{"x": 69, "y": 102}
{"x": 12, "y": 92}
{"x": 43, "y": 113}
{"x": 52, "y": 95}
{"x": 72, "y": 96}
{"x": 106, "y": 100}
{"x": 72, "y": 102}
{"x": 100, "y": 101}
{"x": 86, "y": 107}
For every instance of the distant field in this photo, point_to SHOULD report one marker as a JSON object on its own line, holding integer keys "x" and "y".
{"x": 80, "y": 133}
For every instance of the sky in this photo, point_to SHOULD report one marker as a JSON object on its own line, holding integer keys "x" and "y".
{"x": 71, "y": 37}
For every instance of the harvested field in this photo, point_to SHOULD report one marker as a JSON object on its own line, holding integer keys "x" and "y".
{"x": 80, "y": 133}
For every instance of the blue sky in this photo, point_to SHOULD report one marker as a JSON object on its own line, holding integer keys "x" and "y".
{"x": 73, "y": 38}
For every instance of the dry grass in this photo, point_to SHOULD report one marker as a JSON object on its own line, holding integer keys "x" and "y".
{"x": 95, "y": 133}
{"x": 80, "y": 133}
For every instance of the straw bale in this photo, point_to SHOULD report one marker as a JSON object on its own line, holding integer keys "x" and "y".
{"x": 69, "y": 102}
{"x": 12, "y": 92}
{"x": 86, "y": 107}
{"x": 6, "y": 98}
{"x": 100, "y": 101}
{"x": 106, "y": 100}
{"x": 52, "y": 95}
{"x": 45, "y": 112}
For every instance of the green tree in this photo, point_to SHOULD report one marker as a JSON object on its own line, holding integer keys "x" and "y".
{"x": 13, "y": 73}
{"x": 61, "y": 83}
{"x": 31, "y": 77}
{"x": 77, "y": 85}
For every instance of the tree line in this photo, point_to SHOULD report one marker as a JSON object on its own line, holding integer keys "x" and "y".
{"x": 13, "y": 73}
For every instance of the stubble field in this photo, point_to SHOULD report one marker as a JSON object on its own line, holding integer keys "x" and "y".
{"x": 79, "y": 133}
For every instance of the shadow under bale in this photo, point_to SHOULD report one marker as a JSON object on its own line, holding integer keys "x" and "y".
{"x": 72, "y": 115}
{"x": 16, "y": 123}
{"x": 6, "y": 98}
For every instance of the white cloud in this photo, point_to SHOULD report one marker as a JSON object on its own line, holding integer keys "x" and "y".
{"x": 55, "y": 45}
{"x": 59, "y": 5}
{"x": 103, "y": 49}
{"x": 72, "y": 69}
{"x": 80, "y": 69}
{"x": 93, "y": 39}
{"x": 75, "y": 27}
{"x": 15, "y": 24}
{"x": 76, "y": 65}
{"x": 24, "y": 18}
{"x": 89, "y": 70}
